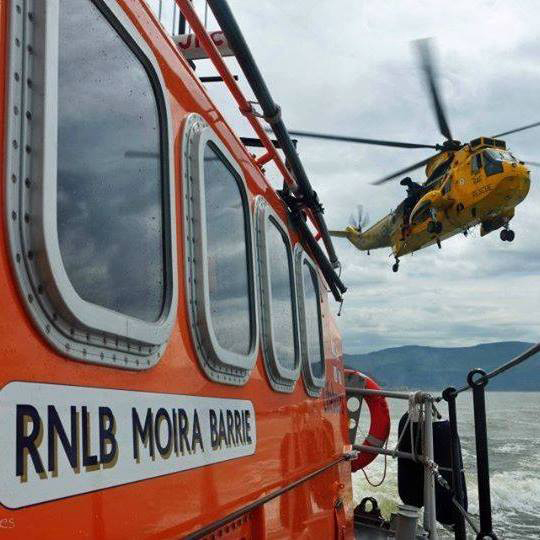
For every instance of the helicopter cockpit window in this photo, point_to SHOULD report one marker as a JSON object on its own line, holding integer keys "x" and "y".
{"x": 447, "y": 187}
{"x": 219, "y": 257}
{"x": 500, "y": 155}
{"x": 476, "y": 162}
{"x": 100, "y": 270}
{"x": 311, "y": 339}
{"x": 493, "y": 160}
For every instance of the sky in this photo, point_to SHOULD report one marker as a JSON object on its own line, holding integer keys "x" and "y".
{"x": 348, "y": 67}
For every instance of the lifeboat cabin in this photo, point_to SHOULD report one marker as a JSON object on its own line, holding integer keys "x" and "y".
{"x": 170, "y": 363}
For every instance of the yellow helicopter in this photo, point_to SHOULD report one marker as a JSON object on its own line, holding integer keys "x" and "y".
{"x": 467, "y": 184}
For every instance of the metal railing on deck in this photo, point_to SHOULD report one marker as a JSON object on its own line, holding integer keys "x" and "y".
{"x": 477, "y": 379}
{"x": 425, "y": 401}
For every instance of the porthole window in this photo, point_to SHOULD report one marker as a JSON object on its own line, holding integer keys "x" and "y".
{"x": 219, "y": 257}
{"x": 98, "y": 242}
{"x": 278, "y": 300}
{"x": 310, "y": 316}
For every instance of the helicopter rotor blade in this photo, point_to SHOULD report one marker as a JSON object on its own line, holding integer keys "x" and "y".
{"x": 365, "y": 221}
{"x": 402, "y": 171}
{"x": 522, "y": 128}
{"x": 358, "y": 216}
{"x": 424, "y": 50}
{"x": 345, "y": 138}
{"x": 363, "y": 218}
{"x": 533, "y": 163}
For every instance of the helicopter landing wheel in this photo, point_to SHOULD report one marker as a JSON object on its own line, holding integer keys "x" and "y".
{"x": 510, "y": 235}
{"x": 395, "y": 266}
{"x": 507, "y": 235}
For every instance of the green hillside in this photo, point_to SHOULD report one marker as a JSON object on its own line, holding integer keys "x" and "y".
{"x": 436, "y": 368}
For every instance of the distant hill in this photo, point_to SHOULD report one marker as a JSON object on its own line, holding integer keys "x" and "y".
{"x": 436, "y": 368}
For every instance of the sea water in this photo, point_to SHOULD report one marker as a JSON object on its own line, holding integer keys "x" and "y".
{"x": 514, "y": 460}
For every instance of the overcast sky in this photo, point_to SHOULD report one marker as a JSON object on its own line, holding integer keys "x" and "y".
{"x": 344, "y": 66}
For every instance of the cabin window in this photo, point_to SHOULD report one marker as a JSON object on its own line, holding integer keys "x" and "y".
{"x": 219, "y": 253}
{"x": 98, "y": 197}
{"x": 311, "y": 339}
{"x": 227, "y": 254}
{"x": 110, "y": 185}
{"x": 278, "y": 292}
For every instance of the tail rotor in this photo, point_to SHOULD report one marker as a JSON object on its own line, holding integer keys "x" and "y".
{"x": 360, "y": 220}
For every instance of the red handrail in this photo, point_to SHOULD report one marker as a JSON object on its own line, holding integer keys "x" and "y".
{"x": 246, "y": 108}
{"x": 304, "y": 198}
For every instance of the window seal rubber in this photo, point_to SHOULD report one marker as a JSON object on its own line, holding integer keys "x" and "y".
{"x": 312, "y": 383}
{"x": 281, "y": 379}
{"x": 218, "y": 364}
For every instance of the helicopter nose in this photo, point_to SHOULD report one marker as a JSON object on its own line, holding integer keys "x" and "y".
{"x": 516, "y": 185}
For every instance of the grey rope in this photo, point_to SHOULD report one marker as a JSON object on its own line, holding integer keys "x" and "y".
{"x": 442, "y": 482}
{"x": 402, "y": 435}
{"x": 384, "y": 471}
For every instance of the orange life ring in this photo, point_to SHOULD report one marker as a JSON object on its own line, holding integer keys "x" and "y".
{"x": 379, "y": 429}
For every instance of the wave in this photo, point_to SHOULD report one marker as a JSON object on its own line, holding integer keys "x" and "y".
{"x": 511, "y": 448}
{"x": 516, "y": 491}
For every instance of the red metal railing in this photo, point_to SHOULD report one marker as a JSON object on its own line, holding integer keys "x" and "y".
{"x": 301, "y": 199}
{"x": 246, "y": 108}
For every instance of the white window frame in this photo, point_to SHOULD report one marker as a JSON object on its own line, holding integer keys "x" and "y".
{"x": 312, "y": 384}
{"x": 281, "y": 379}
{"x": 218, "y": 363}
{"x": 74, "y": 326}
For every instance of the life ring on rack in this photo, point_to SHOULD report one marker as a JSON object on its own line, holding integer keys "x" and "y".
{"x": 379, "y": 428}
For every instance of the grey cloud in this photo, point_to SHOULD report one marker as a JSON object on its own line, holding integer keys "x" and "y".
{"x": 347, "y": 67}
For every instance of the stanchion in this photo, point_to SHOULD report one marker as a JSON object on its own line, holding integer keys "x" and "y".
{"x": 430, "y": 512}
{"x": 449, "y": 395}
{"x": 482, "y": 459}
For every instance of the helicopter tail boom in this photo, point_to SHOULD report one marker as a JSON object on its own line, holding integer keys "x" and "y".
{"x": 377, "y": 236}
{"x": 340, "y": 234}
